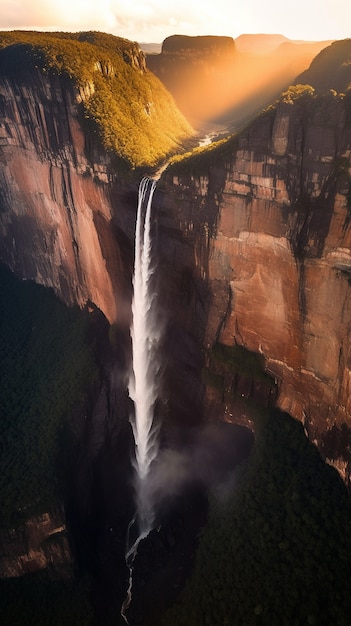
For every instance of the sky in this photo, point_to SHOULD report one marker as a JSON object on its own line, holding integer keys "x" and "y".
{"x": 153, "y": 21}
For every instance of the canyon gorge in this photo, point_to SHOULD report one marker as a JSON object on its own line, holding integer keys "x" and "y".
{"x": 254, "y": 256}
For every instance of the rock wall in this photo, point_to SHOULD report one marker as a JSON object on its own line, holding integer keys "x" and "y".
{"x": 55, "y": 205}
{"x": 267, "y": 217}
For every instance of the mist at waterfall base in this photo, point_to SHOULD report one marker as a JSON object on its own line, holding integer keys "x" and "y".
{"x": 179, "y": 485}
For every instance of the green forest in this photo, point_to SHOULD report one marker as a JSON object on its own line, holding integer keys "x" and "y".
{"x": 47, "y": 364}
{"x": 277, "y": 550}
{"x": 39, "y": 600}
{"x": 131, "y": 111}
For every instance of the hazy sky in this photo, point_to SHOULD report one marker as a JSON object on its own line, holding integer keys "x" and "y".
{"x": 154, "y": 20}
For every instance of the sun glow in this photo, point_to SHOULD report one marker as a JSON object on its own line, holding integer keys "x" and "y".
{"x": 156, "y": 20}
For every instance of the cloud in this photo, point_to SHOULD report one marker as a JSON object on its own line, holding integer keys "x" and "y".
{"x": 62, "y": 15}
{"x": 156, "y": 19}
{"x": 149, "y": 21}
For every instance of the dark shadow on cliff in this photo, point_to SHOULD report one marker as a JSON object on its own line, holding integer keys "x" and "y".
{"x": 100, "y": 499}
{"x": 65, "y": 442}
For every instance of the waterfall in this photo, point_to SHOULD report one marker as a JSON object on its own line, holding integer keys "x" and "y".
{"x": 146, "y": 333}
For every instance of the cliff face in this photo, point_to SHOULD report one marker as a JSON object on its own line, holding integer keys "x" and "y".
{"x": 39, "y": 543}
{"x": 53, "y": 196}
{"x": 268, "y": 218}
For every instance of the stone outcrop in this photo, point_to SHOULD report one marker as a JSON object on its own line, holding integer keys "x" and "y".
{"x": 67, "y": 220}
{"x": 128, "y": 50}
{"x": 39, "y": 543}
{"x": 265, "y": 226}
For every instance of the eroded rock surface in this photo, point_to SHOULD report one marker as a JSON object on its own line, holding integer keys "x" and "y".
{"x": 268, "y": 221}
{"x": 52, "y": 194}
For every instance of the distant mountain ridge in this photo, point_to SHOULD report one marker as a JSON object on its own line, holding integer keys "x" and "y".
{"x": 202, "y": 44}
{"x": 262, "y": 44}
{"x": 259, "y": 43}
{"x": 219, "y": 77}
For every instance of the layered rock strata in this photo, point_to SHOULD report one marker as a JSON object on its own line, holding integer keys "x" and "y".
{"x": 53, "y": 194}
{"x": 267, "y": 217}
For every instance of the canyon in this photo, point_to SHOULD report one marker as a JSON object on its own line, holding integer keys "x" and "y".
{"x": 254, "y": 244}
{"x": 229, "y": 80}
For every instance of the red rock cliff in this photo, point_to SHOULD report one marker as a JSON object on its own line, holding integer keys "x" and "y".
{"x": 52, "y": 193}
{"x": 268, "y": 218}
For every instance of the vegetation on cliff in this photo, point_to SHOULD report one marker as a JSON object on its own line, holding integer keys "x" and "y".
{"x": 307, "y": 102}
{"x": 277, "y": 551}
{"x": 128, "y": 106}
{"x": 227, "y": 364}
{"x": 47, "y": 364}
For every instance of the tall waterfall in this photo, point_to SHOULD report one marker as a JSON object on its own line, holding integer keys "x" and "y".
{"x": 143, "y": 389}
{"x": 146, "y": 334}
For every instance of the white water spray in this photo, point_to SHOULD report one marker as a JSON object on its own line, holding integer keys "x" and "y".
{"x": 146, "y": 332}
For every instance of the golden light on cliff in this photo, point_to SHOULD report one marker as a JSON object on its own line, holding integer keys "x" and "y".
{"x": 208, "y": 87}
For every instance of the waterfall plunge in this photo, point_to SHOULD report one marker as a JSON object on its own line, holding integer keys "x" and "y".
{"x": 146, "y": 333}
